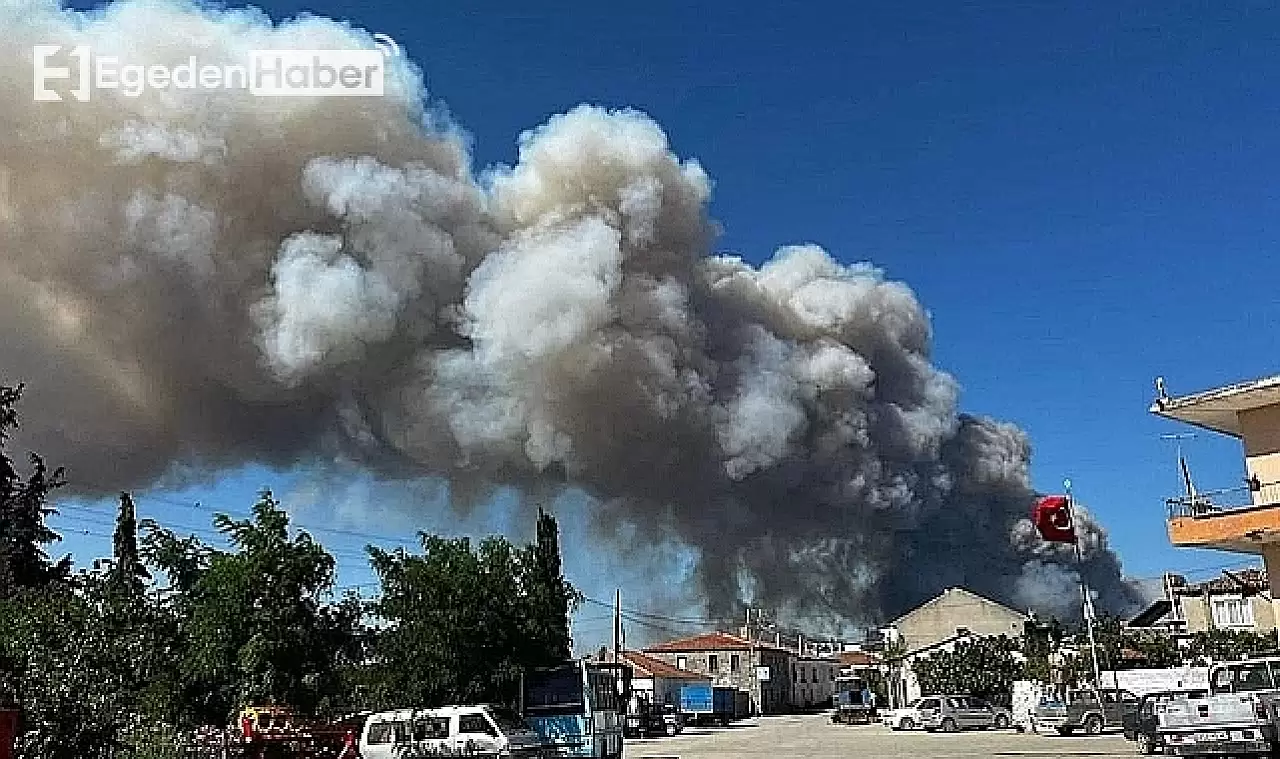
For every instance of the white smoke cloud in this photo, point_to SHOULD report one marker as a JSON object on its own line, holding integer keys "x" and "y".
{"x": 193, "y": 280}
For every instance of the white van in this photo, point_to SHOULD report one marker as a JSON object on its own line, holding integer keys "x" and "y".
{"x": 448, "y": 731}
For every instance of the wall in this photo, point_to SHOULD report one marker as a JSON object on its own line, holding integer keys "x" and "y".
{"x": 1198, "y": 613}
{"x": 768, "y": 697}
{"x": 1142, "y": 681}
{"x": 939, "y": 619}
{"x": 1195, "y": 612}
{"x": 810, "y": 692}
{"x": 1260, "y": 429}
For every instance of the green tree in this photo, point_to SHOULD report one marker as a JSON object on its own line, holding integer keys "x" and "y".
{"x": 550, "y": 597}
{"x": 83, "y": 675}
{"x": 979, "y": 666}
{"x": 1221, "y": 644}
{"x": 24, "y": 506}
{"x": 253, "y": 623}
{"x": 128, "y": 575}
{"x": 460, "y": 623}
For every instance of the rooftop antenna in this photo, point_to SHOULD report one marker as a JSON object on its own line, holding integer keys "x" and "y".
{"x": 1182, "y": 462}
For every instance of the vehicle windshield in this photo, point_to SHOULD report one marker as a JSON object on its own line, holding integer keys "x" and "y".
{"x": 508, "y": 721}
{"x": 1249, "y": 676}
{"x": 558, "y": 689}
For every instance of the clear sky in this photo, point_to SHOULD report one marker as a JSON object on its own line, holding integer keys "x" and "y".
{"x": 1083, "y": 194}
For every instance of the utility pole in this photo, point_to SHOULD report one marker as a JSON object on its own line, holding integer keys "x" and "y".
{"x": 617, "y": 625}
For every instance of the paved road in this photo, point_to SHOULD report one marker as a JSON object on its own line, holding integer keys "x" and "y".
{"x": 814, "y": 737}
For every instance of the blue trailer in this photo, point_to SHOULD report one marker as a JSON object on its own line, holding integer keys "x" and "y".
{"x": 704, "y": 704}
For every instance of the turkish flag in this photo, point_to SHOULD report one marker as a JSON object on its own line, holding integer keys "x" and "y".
{"x": 1052, "y": 517}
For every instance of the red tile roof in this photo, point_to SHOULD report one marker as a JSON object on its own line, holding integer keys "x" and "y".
{"x": 716, "y": 641}
{"x": 856, "y": 659}
{"x": 647, "y": 666}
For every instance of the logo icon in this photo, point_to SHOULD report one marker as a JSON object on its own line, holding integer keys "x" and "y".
{"x": 389, "y": 47}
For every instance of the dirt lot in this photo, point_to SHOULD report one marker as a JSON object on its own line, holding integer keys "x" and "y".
{"x": 814, "y": 737}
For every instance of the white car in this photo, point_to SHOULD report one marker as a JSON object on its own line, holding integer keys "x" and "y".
{"x": 450, "y": 731}
{"x": 904, "y": 718}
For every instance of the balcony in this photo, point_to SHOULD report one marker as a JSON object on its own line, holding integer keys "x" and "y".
{"x": 1240, "y": 519}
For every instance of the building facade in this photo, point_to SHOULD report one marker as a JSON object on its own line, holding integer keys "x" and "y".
{"x": 813, "y": 682}
{"x": 1243, "y": 519}
{"x": 955, "y": 611}
{"x": 938, "y": 625}
{"x": 658, "y": 681}
{"x": 1235, "y": 601}
{"x": 760, "y": 670}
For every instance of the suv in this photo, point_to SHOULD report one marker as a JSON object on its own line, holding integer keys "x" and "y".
{"x": 1090, "y": 709}
{"x": 952, "y": 713}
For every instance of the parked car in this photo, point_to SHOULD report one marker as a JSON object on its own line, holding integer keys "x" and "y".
{"x": 1088, "y": 709}
{"x": 952, "y": 713}
{"x": 1143, "y": 726}
{"x": 903, "y": 718}
{"x": 455, "y": 730}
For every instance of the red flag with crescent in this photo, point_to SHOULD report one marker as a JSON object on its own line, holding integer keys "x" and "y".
{"x": 1052, "y": 517}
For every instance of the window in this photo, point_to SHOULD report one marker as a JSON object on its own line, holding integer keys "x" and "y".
{"x": 713, "y": 663}
{"x": 425, "y": 728}
{"x": 1244, "y": 677}
{"x": 682, "y": 662}
{"x": 388, "y": 732}
{"x": 1232, "y": 611}
{"x": 802, "y": 675}
{"x": 832, "y": 672}
{"x": 795, "y": 677}
{"x": 813, "y": 675}
{"x": 735, "y": 662}
{"x": 475, "y": 723}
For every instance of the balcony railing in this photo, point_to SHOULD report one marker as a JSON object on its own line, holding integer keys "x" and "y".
{"x": 1214, "y": 502}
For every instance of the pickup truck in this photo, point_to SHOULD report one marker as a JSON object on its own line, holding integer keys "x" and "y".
{"x": 1238, "y": 718}
{"x": 1143, "y": 727}
{"x": 1088, "y": 709}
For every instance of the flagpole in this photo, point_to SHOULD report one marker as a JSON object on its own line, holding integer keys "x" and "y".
{"x": 1087, "y": 603}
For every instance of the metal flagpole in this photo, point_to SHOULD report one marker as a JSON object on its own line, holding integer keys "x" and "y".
{"x": 1087, "y": 606}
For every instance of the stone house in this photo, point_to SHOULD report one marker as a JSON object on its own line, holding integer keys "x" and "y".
{"x": 760, "y": 670}
{"x": 658, "y": 681}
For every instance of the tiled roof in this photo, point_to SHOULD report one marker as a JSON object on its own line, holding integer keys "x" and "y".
{"x": 716, "y": 641}
{"x": 1252, "y": 580}
{"x": 647, "y": 666}
{"x": 856, "y": 659}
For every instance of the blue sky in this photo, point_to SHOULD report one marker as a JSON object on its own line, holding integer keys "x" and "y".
{"x": 1082, "y": 194}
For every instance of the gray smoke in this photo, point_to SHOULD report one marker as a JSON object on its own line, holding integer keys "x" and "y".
{"x": 196, "y": 280}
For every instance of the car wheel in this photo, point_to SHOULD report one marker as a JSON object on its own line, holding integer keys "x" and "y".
{"x": 1065, "y": 730}
{"x": 907, "y": 724}
{"x": 949, "y": 725}
{"x": 1002, "y": 722}
{"x": 1093, "y": 725}
{"x": 1145, "y": 744}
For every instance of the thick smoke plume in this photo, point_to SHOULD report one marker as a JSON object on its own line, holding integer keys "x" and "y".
{"x": 195, "y": 280}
